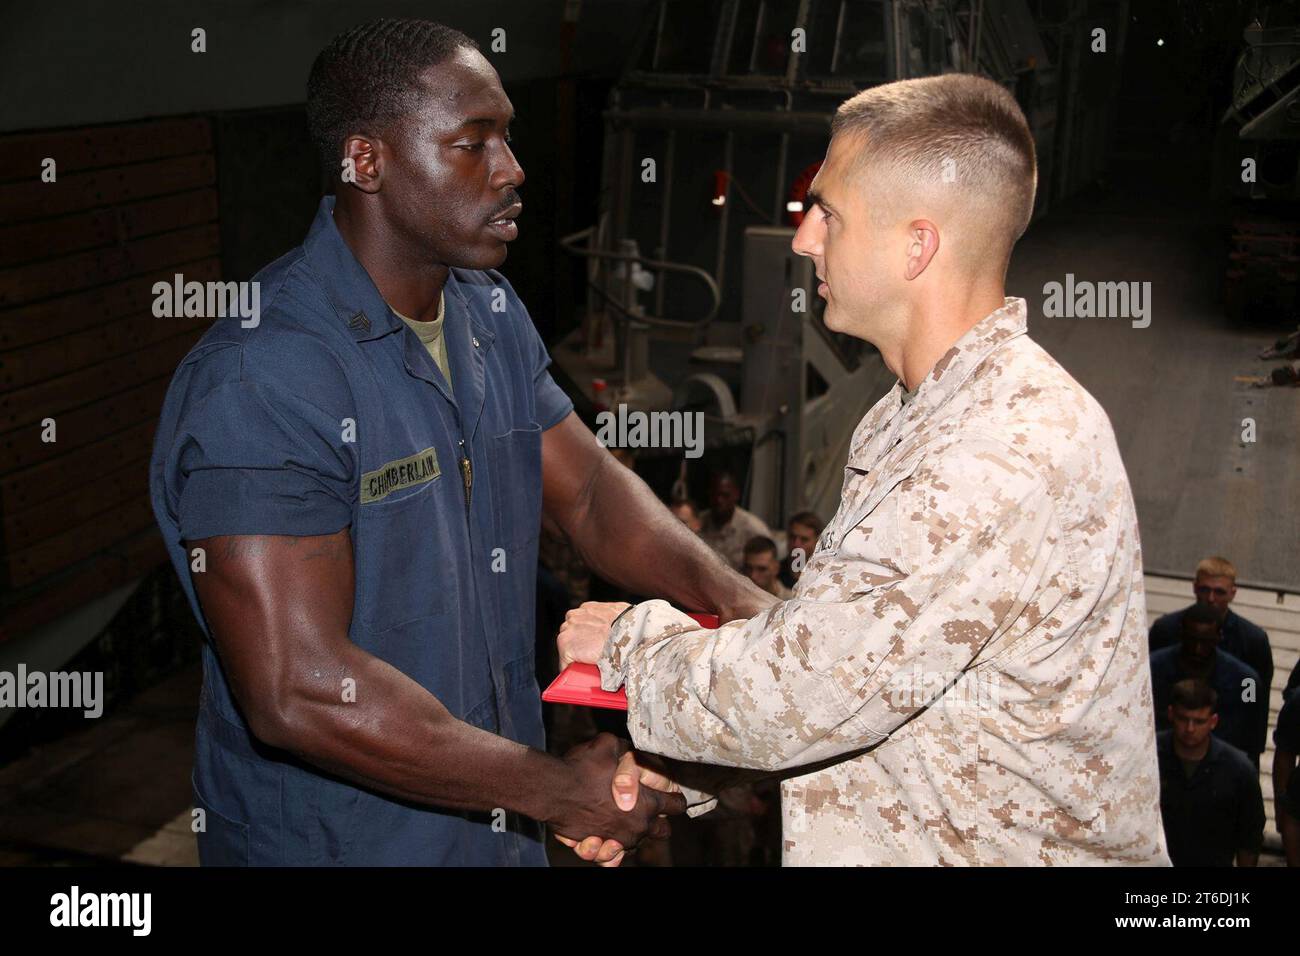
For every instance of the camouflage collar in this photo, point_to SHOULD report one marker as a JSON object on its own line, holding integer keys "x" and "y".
{"x": 968, "y": 352}
{"x": 882, "y": 427}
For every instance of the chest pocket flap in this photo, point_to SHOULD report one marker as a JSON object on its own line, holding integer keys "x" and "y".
{"x": 889, "y": 473}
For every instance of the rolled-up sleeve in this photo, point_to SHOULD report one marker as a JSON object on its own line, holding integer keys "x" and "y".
{"x": 253, "y": 458}
{"x": 870, "y": 639}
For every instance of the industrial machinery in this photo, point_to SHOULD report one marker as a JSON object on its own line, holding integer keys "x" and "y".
{"x": 712, "y": 136}
{"x": 1262, "y": 127}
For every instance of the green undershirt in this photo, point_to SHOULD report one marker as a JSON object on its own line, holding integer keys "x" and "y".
{"x": 430, "y": 333}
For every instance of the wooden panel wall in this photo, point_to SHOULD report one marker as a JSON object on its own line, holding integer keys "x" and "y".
{"x": 132, "y": 205}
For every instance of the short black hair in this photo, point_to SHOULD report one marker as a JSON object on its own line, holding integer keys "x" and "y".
{"x": 760, "y": 544}
{"x": 1193, "y": 694}
{"x": 366, "y": 78}
{"x": 1200, "y": 614}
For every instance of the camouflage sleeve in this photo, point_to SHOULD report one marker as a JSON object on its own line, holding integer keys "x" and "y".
{"x": 952, "y": 556}
{"x": 698, "y": 802}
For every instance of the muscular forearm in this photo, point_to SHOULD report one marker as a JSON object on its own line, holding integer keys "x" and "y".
{"x": 628, "y": 537}
{"x": 279, "y": 615}
{"x": 385, "y": 732}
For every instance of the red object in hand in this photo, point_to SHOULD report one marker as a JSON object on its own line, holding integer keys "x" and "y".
{"x": 580, "y": 683}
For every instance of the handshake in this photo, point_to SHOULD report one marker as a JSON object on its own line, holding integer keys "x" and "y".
{"x": 607, "y": 767}
{"x": 638, "y": 813}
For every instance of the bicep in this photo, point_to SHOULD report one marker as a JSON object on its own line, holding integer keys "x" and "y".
{"x": 571, "y": 459}
{"x": 272, "y": 602}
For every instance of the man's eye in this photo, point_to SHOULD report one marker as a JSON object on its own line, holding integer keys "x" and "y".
{"x": 471, "y": 146}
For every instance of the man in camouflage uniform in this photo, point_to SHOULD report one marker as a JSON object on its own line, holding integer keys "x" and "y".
{"x": 964, "y": 657}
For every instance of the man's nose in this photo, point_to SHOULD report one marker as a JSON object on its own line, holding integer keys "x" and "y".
{"x": 807, "y": 238}
{"x": 509, "y": 173}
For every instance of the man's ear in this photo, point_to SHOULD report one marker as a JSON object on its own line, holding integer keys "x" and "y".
{"x": 923, "y": 243}
{"x": 1214, "y": 721}
{"x": 362, "y": 165}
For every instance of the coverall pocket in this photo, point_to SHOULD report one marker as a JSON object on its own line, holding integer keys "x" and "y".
{"x": 517, "y": 487}
{"x": 404, "y": 539}
{"x": 222, "y": 841}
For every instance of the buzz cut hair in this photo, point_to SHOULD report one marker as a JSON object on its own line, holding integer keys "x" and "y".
{"x": 955, "y": 130}
{"x": 368, "y": 76}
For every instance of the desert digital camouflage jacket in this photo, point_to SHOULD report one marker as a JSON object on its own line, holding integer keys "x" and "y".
{"x": 967, "y": 645}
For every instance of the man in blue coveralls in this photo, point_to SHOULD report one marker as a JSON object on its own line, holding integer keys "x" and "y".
{"x": 351, "y": 490}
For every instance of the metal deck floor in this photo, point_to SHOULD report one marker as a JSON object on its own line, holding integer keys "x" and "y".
{"x": 1171, "y": 389}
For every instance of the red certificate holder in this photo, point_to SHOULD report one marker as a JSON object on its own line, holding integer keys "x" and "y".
{"x": 580, "y": 683}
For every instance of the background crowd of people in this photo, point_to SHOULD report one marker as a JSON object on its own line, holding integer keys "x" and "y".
{"x": 1211, "y": 674}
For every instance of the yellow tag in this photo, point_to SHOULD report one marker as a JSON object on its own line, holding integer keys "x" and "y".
{"x": 404, "y": 473}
